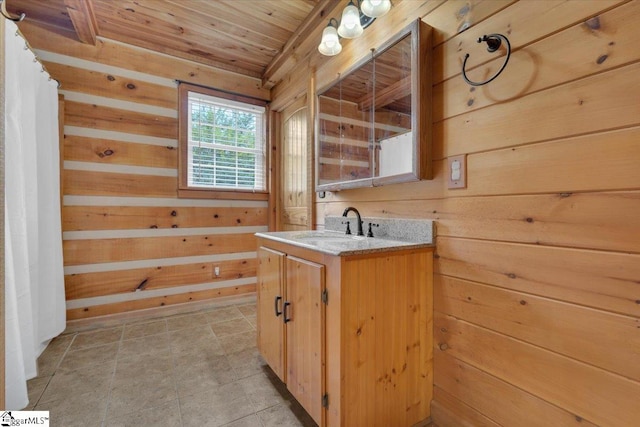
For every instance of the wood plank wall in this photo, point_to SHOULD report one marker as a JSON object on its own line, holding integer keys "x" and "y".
{"x": 537, "y": 275}
{"x": 124, "y": 228}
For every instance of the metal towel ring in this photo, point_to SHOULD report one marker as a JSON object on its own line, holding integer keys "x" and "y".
{"x": 494, "y": 41}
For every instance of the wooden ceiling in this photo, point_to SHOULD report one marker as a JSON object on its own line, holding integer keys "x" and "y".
{"x": 243, "y": 36}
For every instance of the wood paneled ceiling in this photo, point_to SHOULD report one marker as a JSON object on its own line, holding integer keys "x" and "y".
{"x": 243, "y": 36}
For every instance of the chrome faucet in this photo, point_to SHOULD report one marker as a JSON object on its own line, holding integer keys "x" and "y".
{"x": 359, "y": 219}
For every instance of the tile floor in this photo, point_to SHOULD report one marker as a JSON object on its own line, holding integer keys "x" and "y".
{"x": 199, "y": 369}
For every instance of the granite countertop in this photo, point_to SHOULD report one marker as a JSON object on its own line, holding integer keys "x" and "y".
{"x": 391, "y": 234}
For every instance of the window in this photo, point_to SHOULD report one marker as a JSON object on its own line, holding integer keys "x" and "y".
{"x": 222, "y": 144}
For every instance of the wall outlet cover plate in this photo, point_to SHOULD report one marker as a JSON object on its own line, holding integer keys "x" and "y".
{"x": 457, "y": 171}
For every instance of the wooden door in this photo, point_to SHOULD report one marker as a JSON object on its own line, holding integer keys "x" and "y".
{"x": 270, "y": 301}
{"x": 304, "y": 318}
{"x": 296, "y": 169}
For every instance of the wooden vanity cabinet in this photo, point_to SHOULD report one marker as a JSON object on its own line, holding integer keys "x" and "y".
{"x": 359, "y": 354}
{"x": 290, "y": 324}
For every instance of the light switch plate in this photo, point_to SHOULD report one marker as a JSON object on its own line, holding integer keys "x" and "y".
{"x": 457, "y": 171}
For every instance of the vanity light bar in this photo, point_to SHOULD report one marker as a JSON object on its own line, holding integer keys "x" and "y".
{"x": 355, "y": 18}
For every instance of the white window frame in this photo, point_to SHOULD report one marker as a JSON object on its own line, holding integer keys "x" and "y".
{"x": 186, "y": 187}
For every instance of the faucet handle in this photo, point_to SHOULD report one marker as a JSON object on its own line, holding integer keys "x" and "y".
{"x": 370, "y": 232}
{"x": 348, "y": 227}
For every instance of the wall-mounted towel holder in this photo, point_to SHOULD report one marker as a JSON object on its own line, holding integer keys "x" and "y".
{"x": 494, "y": 41}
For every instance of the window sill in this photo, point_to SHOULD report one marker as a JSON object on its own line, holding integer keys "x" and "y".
{"x": 193, "y": 193}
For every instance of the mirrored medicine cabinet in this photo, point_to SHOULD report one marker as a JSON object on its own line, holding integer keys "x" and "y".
{"x": 373, "y": 124}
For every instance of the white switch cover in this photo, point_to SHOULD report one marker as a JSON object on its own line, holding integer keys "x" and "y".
{"x": 457, "y": 171}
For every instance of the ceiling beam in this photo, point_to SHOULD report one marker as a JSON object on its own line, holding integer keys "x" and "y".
{"x": 280, "y": 64}
{"x": 83, "y": 19}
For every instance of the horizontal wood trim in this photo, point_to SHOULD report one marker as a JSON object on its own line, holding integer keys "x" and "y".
{"x": 158, "y": 202}
{"x": 602, "y": 280}
{"x": 472, "y": 387}
{"x": 550, "y": 324}
{"x": 594, "y": 104}
{"x": 603, "y": 161}
{"x": 560, "y": 219}
{"x": 78, "y": 182}
{"x": 222, "y": 194}
{"x": 581, "y": 389}
{"x": 594, "y": 162}
{"x": 113, "y": 86}
{"x": 79, "y": 148}
{"x": 112, "y": 135}
{"x": 453, "y": 17}
{"x": 112, "y": 53}
{"x": 122, "y": 307}
{"x": 524, "y": 22}
{"x": 138, "y": 217}
{"x": 99, "y": 117}
{"x": 89, "y": 285}
{"x": 535, "y": 67}
{"x": 448, "y": 411}
{"x": 127, "y": 249}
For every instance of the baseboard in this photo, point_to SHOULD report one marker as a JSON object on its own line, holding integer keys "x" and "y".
{"x": 117, "y": 319}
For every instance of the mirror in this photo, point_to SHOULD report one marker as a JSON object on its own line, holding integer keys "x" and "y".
{"x": 373, "y": 123}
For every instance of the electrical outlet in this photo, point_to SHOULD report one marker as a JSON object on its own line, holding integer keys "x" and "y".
{"x": 457, "y": 171}
{"x": 216, "y": 271}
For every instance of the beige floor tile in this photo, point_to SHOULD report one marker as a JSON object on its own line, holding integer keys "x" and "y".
{"x": 265, "y": 391}
{"x": 138, "y": 330}
{"x": 35, "y": 387}
{"x": 247, "y": 362}
{"x": 134, "y": 394}
{"x": 51, "y": 356}
{"x": 223, "y": 314}
{"x": 238, "y": 342}
{"x": 253, "y": 320}
{"x": 167, "y": 415}
{"x": 286, "y": 414}
{"x": 142, "y": 365}
{"x": 95, "y": 338}
{"x": 188, "y": 321}
{"x": 247, "y": 309}
{"x": 144, "y": 345}
{"x": 231, "y": 327}
{"x": 202, "y": 353}
{"x": 86, "y": 410}
{"x": 192, "y": 340}
{"x": 92, "y": 379}
{"x": 100, "y": 355}
{"x": 226, "y": 404}
{"x": 250, "y": 421}
{"x": 203, "y": 377}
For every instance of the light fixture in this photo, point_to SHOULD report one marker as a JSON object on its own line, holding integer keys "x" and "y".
{"x": 352, "y": 24}
{"x": 330, "y": 44}
{"x": 375, "y": 8}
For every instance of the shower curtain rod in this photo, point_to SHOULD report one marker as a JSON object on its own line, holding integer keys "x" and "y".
{"x": 3, "y": 11}
{"x": 27, "y": 46}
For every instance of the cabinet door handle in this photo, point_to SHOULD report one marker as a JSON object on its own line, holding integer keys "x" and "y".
{"x": 275, "y": 305}
{"x": 285, "y": 311}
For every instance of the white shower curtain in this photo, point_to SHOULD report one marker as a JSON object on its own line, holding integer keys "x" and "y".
{"x": 34, "y": 277}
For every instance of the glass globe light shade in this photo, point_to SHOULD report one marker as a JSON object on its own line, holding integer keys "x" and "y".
{"x": 350, "y": 26}
{"x": 375, "y": 8}
{"x": 330, "y": 43}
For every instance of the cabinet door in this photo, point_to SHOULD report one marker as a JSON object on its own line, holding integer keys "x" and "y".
{"x": 305, "y": 334}
{"x": 269, "y": 307}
